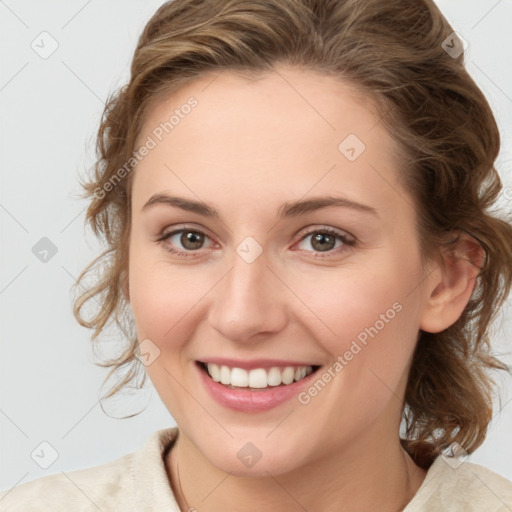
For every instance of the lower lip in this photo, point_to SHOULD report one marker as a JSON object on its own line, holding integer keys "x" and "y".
{"x": 252, "y": 401}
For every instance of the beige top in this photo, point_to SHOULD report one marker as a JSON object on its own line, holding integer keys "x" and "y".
{"x": 138, "y": 482}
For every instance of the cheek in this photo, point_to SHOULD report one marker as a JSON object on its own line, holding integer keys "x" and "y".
{"x": 353, "y": 303}
{"x": 160, "y": 297}
{"x": 366, "y": 319}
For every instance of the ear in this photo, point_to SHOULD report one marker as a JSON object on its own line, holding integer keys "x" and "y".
{"x": 450, "y": 285}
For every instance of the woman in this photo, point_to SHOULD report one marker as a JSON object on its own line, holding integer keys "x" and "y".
{"x": 295, "y": 199}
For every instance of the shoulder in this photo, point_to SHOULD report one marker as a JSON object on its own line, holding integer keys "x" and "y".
{"x": 137, "y": 477}
{"x": 453, "y": 485}
{"x": 74, "y": 490}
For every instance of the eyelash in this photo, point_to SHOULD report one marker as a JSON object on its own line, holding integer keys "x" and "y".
{"x": 347, "y": 242}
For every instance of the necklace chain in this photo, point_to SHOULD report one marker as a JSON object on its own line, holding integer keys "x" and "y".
{"x": 179, "y": 485}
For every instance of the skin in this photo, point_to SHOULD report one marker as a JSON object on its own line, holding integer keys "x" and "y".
{"x": 248, "y": 147}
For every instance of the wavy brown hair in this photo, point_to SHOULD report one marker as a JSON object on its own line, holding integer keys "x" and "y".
{"x": 392, "y": 51}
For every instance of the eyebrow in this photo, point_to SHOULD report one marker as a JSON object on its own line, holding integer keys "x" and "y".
{"x": 287, "y": 210}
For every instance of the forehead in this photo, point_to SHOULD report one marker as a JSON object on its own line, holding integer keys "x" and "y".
{"x": 275, "y": 136}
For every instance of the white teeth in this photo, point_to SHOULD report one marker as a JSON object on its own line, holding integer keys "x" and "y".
{"x": 225, "y": 375}
{"x": 287, "y": 375}
{"x": 274, "y": 377}
{"x": 300, "y": 373}
{"x": 258, "y": 377}
{"x": 214, "y": 372}
{"x": 239, "y": 377}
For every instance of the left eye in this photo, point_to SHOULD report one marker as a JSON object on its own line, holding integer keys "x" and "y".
{"x": 324, "y": 240}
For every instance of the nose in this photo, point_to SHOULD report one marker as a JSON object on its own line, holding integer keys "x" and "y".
{"x": 249, "y": 302}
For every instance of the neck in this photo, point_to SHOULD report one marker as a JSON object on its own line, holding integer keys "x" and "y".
{"x": 379, "y": 477}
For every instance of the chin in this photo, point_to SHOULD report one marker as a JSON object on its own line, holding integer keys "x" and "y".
{"x": 244, "y": 459}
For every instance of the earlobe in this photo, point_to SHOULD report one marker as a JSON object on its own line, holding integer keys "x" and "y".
{"x": 451, "y": 284}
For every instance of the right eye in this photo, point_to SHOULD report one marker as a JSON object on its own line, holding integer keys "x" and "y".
{"x": 190, "y": 239}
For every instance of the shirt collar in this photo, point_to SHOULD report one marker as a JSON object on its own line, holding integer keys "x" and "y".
{"x": 152, "y": 488}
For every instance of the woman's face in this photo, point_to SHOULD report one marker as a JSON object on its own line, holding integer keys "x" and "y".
{"x": 258, "y": 278}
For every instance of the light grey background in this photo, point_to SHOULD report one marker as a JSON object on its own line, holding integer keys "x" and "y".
{"x": 50, "y": 111}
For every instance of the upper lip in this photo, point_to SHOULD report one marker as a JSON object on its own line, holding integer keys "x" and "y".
{"x": 253, "y": 363}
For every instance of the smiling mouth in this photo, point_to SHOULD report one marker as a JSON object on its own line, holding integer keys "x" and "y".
{"x": 257, "y": 379}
